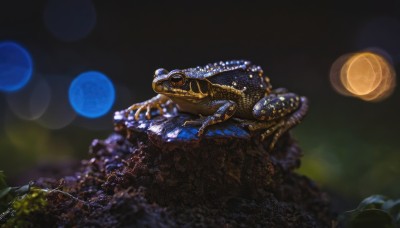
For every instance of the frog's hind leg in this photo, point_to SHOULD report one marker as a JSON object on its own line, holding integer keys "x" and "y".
{"x": 280, "y": 113}
{"x": 276, "y": 106}
{"x": 287, "y": 123}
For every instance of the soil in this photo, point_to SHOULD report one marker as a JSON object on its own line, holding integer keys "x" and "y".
{"x": 157, "y": 173}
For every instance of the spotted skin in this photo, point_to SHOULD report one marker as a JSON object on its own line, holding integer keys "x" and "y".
{"x": 222, "y": 90}
{"x": 274, "y": 106}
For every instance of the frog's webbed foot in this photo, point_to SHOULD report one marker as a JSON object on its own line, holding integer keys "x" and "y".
{"x": 226, "y": 109}
{"x": 276, "y": 130}
{"x": 155, "y": 102}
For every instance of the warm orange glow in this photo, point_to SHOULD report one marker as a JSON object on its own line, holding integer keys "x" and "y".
{"x": 366, "y": 75}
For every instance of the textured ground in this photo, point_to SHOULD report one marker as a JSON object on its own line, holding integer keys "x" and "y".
{"x": 157, "y": 173}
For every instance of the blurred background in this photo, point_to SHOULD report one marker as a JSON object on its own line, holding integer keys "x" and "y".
{"x": 67, "y": 65}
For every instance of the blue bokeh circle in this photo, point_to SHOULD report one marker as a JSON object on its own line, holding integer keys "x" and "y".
{"x": 16, "y": 66}
{"x": 91, "y": 94}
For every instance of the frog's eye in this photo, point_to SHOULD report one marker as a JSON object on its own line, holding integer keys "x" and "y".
{"x": 177, "y": 79}
{"x": 160, "y": 71}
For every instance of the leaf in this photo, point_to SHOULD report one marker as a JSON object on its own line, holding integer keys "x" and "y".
{"x": 397, "y": 220}
{"x": 373, "y": 211}
{"x": 371, "y": 218}
{"x": 393, "y": 207}
{"x": 372, "y": 202}
{"x": 23, "y": 189}
{"x": 4, "y": 191}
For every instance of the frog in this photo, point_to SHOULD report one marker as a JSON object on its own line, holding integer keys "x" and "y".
{"x": 217, "y": 92}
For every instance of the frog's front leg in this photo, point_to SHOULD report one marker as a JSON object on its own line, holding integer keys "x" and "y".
{"x": 225, "y": 110}
{"x": 155, "y": 102}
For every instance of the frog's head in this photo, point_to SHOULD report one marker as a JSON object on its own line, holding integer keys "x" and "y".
{"x": 178, "y": 84}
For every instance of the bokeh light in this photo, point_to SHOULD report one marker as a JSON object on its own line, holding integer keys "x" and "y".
{"x": 15, "y": 66}
{"x": 58, "y": 114}
{"x": 366, "y": 75}
{"x": 70, "y": 20}
{"x": 92, "y": 94}
{"x": 31, "y": 102}
{"x": 123, "y": 99}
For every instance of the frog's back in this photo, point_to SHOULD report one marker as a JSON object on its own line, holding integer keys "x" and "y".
{"x": 212, "y": 69}
{"x": 245, "y": 86}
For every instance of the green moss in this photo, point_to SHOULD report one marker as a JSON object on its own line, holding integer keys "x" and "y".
{"x": 18, "y": 203}
{"x": 25, "y": 206}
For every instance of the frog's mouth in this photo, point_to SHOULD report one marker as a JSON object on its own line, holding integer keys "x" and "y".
{"x": 188, "y": 94}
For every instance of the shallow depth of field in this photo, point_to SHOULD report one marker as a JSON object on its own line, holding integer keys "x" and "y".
{"x": 344, "y": 60}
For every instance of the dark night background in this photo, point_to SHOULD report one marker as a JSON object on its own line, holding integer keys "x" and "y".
{"x": 351, "y": 147}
